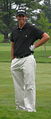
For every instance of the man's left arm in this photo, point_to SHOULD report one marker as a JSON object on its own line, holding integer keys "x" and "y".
{"x": 45, "y": 38}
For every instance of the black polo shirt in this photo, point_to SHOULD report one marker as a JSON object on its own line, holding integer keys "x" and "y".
{"x": 24, "y": 38}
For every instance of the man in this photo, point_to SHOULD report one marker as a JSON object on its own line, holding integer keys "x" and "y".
{"x": 23, "y": 64}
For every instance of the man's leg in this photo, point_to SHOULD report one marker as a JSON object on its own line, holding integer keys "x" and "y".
{"x": 29, "y": 80}
{"x": 17, "y": 75}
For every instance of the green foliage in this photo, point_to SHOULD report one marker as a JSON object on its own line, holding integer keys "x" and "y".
{"x": 48, "y": 10}
{"x": 50, "y": 32}
{"x": 6, "y": 13}
{"x": 6, "y": 18}
{"x": 43, "y": 22}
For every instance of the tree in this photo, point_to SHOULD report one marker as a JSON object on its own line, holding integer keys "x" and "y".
{"x": 6, "y": 20}
{"x": 43, "y": 22}
{"x": 48, "y": 9}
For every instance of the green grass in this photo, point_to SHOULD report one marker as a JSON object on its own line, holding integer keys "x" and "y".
{"x": 42, "y": 54}
{"x": 43, "y": 89}
{"x": 5, "y": 54}
{"x": 1, "y": 38}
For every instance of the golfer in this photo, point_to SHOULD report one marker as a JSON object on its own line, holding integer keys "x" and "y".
{"x": 23, "y": 65}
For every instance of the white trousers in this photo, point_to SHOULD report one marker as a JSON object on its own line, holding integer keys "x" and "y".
{"x": 23, "y": 73}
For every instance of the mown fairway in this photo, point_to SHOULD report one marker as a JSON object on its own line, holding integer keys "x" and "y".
{"x": 43, "y": 103}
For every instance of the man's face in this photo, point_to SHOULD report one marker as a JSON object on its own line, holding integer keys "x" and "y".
{"x": 21, "y": 18}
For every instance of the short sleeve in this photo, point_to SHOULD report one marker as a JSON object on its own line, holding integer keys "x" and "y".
{"x": 11, "y": 37}
{"x": 38, "y": 33}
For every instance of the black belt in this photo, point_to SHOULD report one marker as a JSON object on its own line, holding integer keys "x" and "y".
{"x": 23, "y": 56}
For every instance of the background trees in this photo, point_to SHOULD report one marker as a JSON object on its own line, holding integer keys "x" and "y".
{"x": 48, "y": 9}
{"x": 6, "y": 20}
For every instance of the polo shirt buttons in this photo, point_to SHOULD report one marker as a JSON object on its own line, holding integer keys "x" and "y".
{"x": 26, "y": 36}
{"x": 20, "y": 29}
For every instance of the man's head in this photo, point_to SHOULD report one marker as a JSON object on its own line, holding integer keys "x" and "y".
{"x": 21, "y": 15}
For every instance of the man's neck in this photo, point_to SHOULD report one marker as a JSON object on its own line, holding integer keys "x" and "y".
{"x": 21, "y": 25}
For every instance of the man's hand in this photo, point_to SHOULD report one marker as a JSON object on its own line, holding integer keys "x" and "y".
{"x": 32, "y": 47}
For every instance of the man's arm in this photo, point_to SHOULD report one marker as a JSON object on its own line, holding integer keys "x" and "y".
{"x": 45, "y": 38}
{"x": 12, "y": 50}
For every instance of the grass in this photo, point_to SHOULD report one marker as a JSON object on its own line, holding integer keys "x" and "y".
{"x": 43, "y": 86}
{"x": 5, "y": 52}
{"x": 42, "y": 54}
{"x": 1, "y": 38}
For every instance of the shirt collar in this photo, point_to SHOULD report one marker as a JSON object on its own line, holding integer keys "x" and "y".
{"x": 25, "y": 26}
